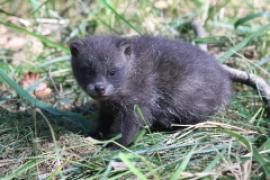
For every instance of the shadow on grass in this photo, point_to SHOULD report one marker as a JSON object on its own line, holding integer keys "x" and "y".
{"x": 30, "y": 123}
{"x": 25, "y": 136}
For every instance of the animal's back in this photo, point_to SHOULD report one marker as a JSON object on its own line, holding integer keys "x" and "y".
{"x": 189, "y": 83}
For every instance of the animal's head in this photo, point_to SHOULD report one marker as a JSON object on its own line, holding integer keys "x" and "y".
{"x": 101, "y": 64}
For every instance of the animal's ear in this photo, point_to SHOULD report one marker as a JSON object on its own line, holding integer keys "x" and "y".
{"x": 74, "y": 46}
{"x": 125, "y": 45}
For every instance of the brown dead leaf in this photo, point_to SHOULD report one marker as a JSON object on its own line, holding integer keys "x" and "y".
{"x": 41, "y": 91}
{"x": 29, "y": 79}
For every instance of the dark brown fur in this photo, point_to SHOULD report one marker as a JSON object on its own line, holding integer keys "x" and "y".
{"x": 171, "y": 81}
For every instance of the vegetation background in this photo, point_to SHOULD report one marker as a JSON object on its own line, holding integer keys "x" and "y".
{"x": 43, "y": 113}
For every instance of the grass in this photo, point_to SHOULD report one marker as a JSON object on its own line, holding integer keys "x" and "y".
{"x": 37, "y": 140}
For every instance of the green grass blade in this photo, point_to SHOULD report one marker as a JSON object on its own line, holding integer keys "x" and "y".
{"x": 49, "y": 62}
{"x": 214, "y": 162}
{"x": 266, "y": 145}
{"x": 131, "y": 167}
{"x": 87, "y": 125}
{"x": 35, "y": 4}
{"x": 264, "y": 163}
{"x": 42, "y": 38}
{"x": 22, "y": 169}
{"x": 240, "y": 138}
{"x": 183, "y": 165}
{"x": 262, "y": 61}
{"x": 113, "y": 29}
{"x": 261, "y": 31}
{"x": 212, "y": 40}
{"x": 119, "y": 16}
{"x": 255, "y": 154}
{"x": 250, "y": 17}
{"x": 39, "y": 7}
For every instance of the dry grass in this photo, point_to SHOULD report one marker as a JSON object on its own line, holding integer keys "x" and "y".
{"x": 37, "y": 143}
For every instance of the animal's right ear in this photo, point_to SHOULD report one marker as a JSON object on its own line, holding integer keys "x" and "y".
{"x": 125, "y": 45}
{"x": 74, "y": 47}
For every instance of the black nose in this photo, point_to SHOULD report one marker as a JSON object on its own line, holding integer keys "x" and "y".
{"x": 100, "y": 88}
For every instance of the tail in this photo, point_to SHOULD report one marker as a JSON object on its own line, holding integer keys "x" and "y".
{"x": 237, "y": 75}
{"x": 251, "y": 80}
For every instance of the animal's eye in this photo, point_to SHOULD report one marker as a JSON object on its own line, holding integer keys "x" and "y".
{"x": 112, "y": 72}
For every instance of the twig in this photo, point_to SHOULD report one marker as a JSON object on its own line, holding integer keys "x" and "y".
{"x": 200, "y": 32}
{"x": 251, "y": 80}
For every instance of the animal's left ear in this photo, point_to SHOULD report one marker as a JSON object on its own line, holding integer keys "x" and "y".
{"x": 75, "y": 47}
{"x": 125, "y": 46}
